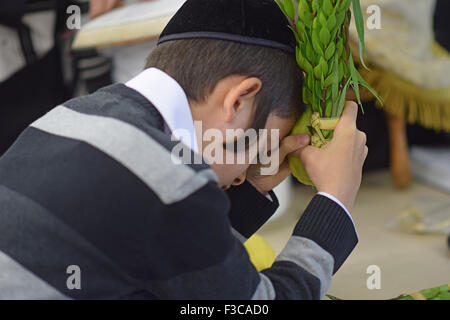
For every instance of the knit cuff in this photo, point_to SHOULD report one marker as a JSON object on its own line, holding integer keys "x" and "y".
{"x": 249, "y": 208}
{"x": 326, "y": 223}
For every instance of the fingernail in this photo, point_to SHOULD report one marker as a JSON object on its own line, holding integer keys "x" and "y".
{"x": 303, "y": 139}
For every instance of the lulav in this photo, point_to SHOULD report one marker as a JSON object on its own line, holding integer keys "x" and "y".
{"x": 321, "y": 30}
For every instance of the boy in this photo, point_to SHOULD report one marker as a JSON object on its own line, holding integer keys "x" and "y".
{"x": 93, "y": 188}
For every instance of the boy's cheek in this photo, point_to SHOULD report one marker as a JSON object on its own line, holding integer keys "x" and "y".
{"x": 228, "y": 173}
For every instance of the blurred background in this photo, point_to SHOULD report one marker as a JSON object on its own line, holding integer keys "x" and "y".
{"x": 51, "y": 51}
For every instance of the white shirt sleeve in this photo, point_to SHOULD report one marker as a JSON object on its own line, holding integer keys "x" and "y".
{"x": 268, "y": 196}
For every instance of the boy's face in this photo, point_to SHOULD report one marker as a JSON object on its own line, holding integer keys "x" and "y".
{"x": 235, "y": 173}
{"x": 226, "y": 140}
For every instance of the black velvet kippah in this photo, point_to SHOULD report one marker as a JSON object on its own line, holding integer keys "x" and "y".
{"x": 255, "y": 22}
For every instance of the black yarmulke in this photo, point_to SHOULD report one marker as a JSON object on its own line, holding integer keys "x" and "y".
{"x": 255, "y": 22}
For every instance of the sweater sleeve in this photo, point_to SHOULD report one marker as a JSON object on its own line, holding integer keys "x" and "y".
{"x": 249, "y": 209}
{"x": 321, "y": 241}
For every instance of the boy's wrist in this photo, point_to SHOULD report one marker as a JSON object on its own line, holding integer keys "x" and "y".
{"x": 331, "y": 197}
{"x": 340, "y": 194}
{"x": 325, "y": 222}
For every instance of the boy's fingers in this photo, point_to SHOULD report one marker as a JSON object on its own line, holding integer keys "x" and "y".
{"x": 366, "y": 152}
{"x": 293, "y": 143}
{"x": 284, "y": 171}
{"x": 349, "y": 115}
{"x": 306, "y": 153}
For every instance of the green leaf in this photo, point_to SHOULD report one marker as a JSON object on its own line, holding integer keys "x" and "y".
{"x": 295, "y": 34}
{"x": 300, "y": 127}
{"x": 345, "y": 5}
{"x": 318, "y": 91}
{"x": 329, "y": 52}
{"x": 340, "y": 47}
{"x": 328, "y": 95}
{"x": 310, "y": 81}
{"x": 335, "y": 86}
{"x": 342, "y": 99}
{"x": 444, "y": 288}
{"x": 318, "y": 71}
{"x": 309, "y": 52}
{"x": 302, "y": 31}
{"x": 329, "y": 80}
{"x": 340, "y": 16}
{"x": 302, "y": 48}
{"x": 341, "y": 69}
{"x": 327, "y": 7}
{"x": 316, "y": 44}
{"x": 325, "y": 35}
{"x": 372, "y": 90}
{"x": 331, "y": 23}
{"x": 305, "y": 14}
{"x": 328, "y": 108}
{"x": 445, "y": 295}
{"x": 302, "y": 62}
{"x": 314, "y": 104}
{"x": 324, "y": 65}
{"x": 359, "y": 22}
{"x": 289, "y": 8}
{"x": 354, "y": 79}
{"x": 322, "y": 19}
{"x": 281, "y": 5}
{"x": 315, "y": 6}
{"x": 430, "y": 293}
{"x": 316, "y": 24}
{"x": 307, "y": 96}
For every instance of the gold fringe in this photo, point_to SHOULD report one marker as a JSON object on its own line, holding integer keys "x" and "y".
{"x": 429, "y": 108}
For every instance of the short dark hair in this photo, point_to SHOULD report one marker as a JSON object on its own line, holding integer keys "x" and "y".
{"x": 199, "y": 64}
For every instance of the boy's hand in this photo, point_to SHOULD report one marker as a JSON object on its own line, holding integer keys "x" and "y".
{"x": 336, "y": 168}
{"x": 265, "y": 183}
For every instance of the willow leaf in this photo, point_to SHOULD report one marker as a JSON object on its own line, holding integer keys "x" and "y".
{"x": 342, "y": 99}
{"x": 354, "y": 76}
{"x": 289, "y": 8}
{"x": 295, "y": 34}
{"x": 281, "y": 5}
{"x": 335, "y": 87}
{"x": 359, "y": 22}
{"x": 368, "y": 87}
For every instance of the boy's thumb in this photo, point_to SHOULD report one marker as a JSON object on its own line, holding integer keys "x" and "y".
{"x": 293, "y": 143}
{"x": 306, "y": 153}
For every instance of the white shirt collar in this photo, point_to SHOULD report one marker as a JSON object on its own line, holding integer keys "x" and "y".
{"x": 170, "y": 100}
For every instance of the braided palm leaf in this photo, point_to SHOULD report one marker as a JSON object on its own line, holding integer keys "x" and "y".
{"x": 321, "y": 30}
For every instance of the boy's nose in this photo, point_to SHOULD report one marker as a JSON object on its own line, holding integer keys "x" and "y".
{"x": 239, "y": 180}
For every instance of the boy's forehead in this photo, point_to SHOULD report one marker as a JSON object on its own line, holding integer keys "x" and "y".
{"x": 283, "y": 124}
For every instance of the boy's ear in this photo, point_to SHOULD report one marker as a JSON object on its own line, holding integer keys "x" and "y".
{"x": 241, "y": 96}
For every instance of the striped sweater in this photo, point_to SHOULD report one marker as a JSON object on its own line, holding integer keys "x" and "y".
{"x": 91, "y": 184}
